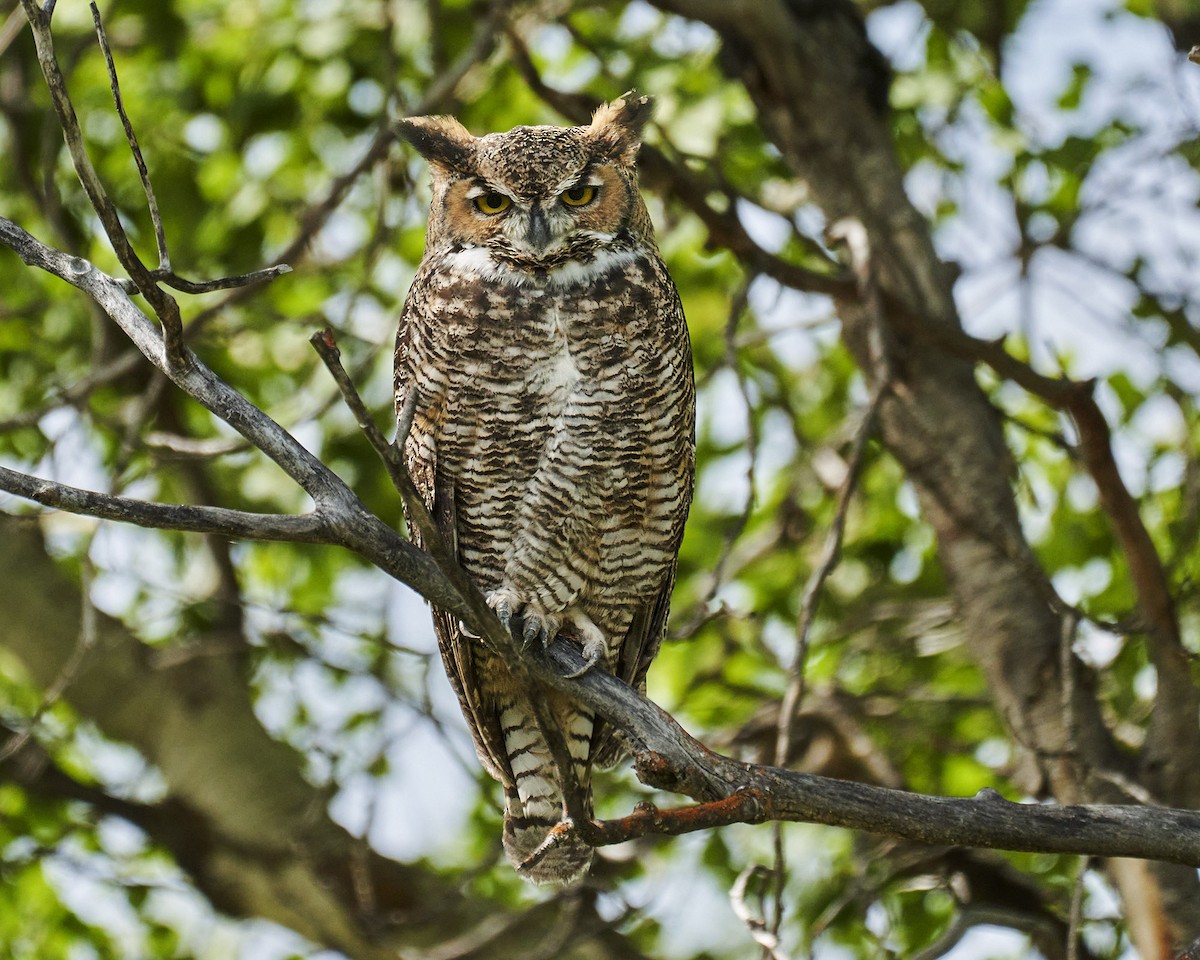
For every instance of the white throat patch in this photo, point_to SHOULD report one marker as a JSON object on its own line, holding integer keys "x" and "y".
{"x": 479, "y": 260}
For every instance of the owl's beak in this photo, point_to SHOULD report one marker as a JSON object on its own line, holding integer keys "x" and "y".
{"x": 538, "y": 234}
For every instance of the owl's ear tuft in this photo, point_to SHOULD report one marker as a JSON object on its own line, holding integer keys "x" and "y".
{"x": 617, "y": 126}
{"x": 440, "y": 140}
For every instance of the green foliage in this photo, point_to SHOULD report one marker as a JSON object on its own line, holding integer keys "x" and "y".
{"x": 249, "y": 112}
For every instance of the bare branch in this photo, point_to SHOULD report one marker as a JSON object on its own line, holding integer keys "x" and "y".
{"x": 854, "y": 234}
{"x": 191, "y": 448}
{"x": 668, "y": 758}
{"x": 165, "y": 307}
{"x": 164, "y": 257}
{"x": 764, "y": 936}
{"x": 183, "y": 285}
{"x": 1075, "y": 915}
{"x": 326, "y": 346}
{"x": 308, "y": 528}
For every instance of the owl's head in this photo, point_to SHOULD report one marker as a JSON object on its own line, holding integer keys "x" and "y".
{"x": 536, "y": 196}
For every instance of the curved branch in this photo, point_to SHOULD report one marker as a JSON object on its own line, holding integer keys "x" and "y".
{"x": 668, "y": 758}
{"x": 307, "y": 528}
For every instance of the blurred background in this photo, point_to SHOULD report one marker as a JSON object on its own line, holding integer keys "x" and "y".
{"x": 249, "y": 750}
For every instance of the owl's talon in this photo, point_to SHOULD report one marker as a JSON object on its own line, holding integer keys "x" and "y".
{"x": 591, "y": 658}
{"x": 595, "y": 646}
{"x": 467, "y": 631}
{"x": 502, "y": 603}
{"x": 540, "y": 627}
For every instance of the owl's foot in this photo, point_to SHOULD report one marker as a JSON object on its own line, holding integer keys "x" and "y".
{"x": 591, "y": 637}
{"x": 538, "y": 624}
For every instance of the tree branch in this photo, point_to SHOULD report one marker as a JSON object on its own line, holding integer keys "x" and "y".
{"x": 165, "y": 307}
{"x": 307, "y": 528}
{"x": 160, "y": 237}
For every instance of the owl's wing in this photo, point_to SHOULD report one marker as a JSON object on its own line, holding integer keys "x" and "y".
{"x": 633, "y": 661}
{"x": 649, "y": 625}
{"x": 459, "y": 653}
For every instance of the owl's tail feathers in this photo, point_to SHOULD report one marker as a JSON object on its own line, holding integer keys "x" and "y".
{"x": 533, "y": 800}
{"x": 559, "y": 859}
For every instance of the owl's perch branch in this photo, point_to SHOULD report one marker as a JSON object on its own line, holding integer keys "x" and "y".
{"x": 668, "y": 758}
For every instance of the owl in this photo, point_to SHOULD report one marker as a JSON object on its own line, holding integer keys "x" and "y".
{"x": 544, "y": 347}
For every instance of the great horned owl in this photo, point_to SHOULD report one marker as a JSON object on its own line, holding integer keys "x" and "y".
{"x": 553, "y": 434}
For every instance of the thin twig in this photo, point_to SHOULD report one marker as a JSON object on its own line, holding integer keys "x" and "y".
{"x": 183, "y": 285}
{"x": 717, "y": 576}
{"x": 317, "y": 214}
{"x": 1068, "y": 667}
{"x": 855, "y": 237}
{"x": 754, "y": 921}
{"x": 390, "y": 453}
{"x": 164, "y": 305}
{"x": 164, "y": 273}
{"x": 160, "y": 237}
{"x": 830, "y": 554}
{"x": 325, "y": 344}
{"x": 11, "y": 28}
{"x": 1075, "y": 915}
{"x": 192, "y": 447}
{"x": 305, "y": 528}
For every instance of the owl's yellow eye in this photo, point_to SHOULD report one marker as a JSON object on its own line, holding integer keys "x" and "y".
{"x": 579, "y": 196}
{"x": 492, "y": 203}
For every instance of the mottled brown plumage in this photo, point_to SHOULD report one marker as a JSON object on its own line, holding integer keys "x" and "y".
{"x": 553, "y": 428}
